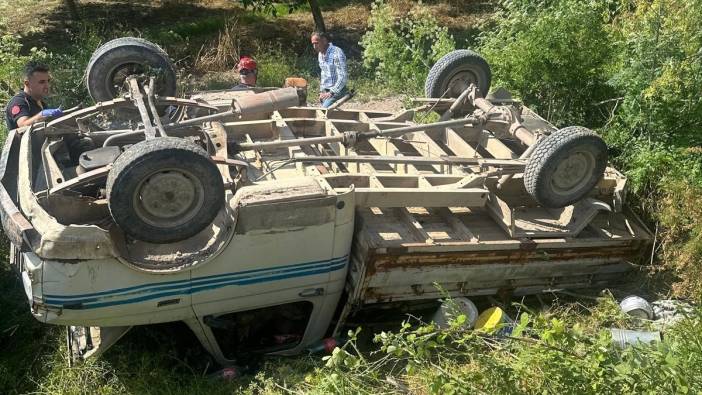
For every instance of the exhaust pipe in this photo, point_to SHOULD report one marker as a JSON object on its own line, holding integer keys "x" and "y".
{"x": 269, "y": 101}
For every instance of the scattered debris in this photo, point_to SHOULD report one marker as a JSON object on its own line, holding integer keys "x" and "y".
{"x": 326, "y": 345}
{"x": 623, "y": 337}
{"x": 494, "y": 320}
{"x": 226, "y": 374}
{"x": 451, "y": 308}
{"x": 669, "y": 311}
{"x": 636, "y": 306}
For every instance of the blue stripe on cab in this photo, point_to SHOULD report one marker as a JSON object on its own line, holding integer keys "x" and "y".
{"x": 188, "y": 287}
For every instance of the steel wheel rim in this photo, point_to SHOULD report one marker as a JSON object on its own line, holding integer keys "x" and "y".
{"x": 168, "y": 198}
{"x": 573, "y": 173}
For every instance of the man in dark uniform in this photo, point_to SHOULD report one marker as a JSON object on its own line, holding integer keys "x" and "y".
{"x": 28, "y": 107}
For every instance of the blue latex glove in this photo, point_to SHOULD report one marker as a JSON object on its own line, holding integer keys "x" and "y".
{"x": 51, "y": 112}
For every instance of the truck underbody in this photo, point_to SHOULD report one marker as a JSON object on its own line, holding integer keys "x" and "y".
{"x": 320, "y": 206}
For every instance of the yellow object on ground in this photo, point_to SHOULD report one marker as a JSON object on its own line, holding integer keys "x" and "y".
{"x": 491, "y": 319}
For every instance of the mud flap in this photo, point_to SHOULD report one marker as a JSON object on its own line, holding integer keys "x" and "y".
{"x": 84, "y": 342}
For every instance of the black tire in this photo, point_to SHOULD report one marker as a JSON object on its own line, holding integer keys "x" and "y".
{"x": 456, "y": 70}
{"x": 114, "y": 61}
{"x": 565, "y": 166}
{"x": 164, "y": 190}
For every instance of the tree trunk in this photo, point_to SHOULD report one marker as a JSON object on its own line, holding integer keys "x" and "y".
{"x": 317, "y": 15}
{"x": 72, "y": 9}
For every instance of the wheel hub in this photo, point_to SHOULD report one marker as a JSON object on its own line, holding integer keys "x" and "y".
{"x": 573, "y": 172}
{"x": 118, "y": 77}
{"x": 169, "y": 198}
{"x": 460, "y": 81}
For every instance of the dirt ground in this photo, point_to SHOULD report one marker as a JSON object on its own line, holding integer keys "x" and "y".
{"x": 390, "y": 104}
{"x": 51, "y": 25}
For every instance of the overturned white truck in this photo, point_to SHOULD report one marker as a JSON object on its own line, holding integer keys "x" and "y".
{"x": 265, "y": 225}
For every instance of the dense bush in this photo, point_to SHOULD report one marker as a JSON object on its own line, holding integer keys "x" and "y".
{"x": 67, "y": 68}
{"x": 632, "y": 70}
{"x": 555, "y": 55}
{"x": 402, "y": 50}
{"x": 660, "y": 80}
{"x": 11, "y": 63}
{"x": 546, "y": 354}
{"x": 658, "y": 125}
{"x": 660, "y": 72}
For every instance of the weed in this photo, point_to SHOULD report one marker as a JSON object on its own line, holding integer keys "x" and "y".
{"x": 401, "y": 52}
{"x": 543, "y": 355}
{"x": 275, "y": 66}
{"x": 555, "y": 57}
{"x": 12, "y": 63}
{"x": 658, "y": 77}
{"x": 223, "y": 53}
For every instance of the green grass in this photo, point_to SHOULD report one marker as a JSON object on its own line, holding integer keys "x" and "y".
{"x": 160, "y": 359}
{"x": 275, "y": 65}
{"x": 562, "y": 349}
{"x": 202, "y": 27}
{"x": 21, "y": 336}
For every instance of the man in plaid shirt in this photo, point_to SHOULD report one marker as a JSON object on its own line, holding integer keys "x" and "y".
{"x": 332, "y": 62}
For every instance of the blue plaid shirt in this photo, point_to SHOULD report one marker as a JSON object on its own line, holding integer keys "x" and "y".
{"x": 333, "y": 66}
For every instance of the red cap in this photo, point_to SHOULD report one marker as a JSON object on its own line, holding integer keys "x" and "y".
{"x": 246, "y": 62}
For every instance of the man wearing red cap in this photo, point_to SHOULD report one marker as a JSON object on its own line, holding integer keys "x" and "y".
{"x": 247, "y": 73}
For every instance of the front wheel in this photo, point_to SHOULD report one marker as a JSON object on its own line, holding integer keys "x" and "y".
{"x": 164, "y": 190}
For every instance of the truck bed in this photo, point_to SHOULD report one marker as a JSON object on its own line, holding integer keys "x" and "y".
{"x": 390, "y": 255}
{"x": 509, "y": 245}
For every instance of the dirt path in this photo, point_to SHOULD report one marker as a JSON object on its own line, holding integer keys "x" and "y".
{"x": 389, "y": 104}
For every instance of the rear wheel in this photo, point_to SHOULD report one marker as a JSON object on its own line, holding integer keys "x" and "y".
{"x": 565, "y": 166}
{"x": 454, "y": 73}
{"x": 164, "y": 190}
{"x": 118, "y": 59}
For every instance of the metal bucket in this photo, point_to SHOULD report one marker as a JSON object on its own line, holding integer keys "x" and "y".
{"x": 457, "y": 306}
{"x": 637, "y": 306}
{"x": 623, "y": 337}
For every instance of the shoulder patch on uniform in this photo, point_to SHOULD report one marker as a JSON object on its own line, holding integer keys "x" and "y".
{"x": 15, "y": 109}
